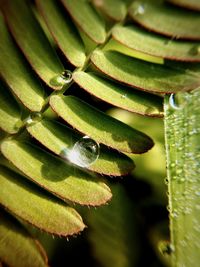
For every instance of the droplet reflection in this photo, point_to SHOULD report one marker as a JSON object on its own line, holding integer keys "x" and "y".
{"x": 84, "y": 152}
{"x": 62, "y": 79}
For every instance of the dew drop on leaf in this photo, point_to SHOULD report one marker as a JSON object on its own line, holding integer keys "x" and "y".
{"x": 139, "y": 8}
{"x": 33, "y": 118}
{"x": 62, "y": 79}
{"x": 84, "y": 152}
{"x": 178, "y": 100}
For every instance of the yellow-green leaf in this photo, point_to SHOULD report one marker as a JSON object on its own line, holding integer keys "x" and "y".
{"x": 56, "y": 175}
{"x": 63, "y": 31}
{"x": 118, "y": 95}
{"x": 36, "y": 207}
{"x": 87, "y": 19}
{"x": 156, "y": 45}
{"x": 56, "y": 136}
{"x": 115, "y": 9}
{"x": 17, "y": 74}
{"x": 32, "y": 40}
{"x": 99, "y": 126}
{"x": 193, "y": 4}
{"x": 143, "y": 75}
{"x": 166, "y": 19}
{"x": 15, "y": 241}
{"x": 10, "y": 114}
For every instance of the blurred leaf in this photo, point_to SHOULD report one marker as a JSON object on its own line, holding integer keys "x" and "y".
{"x": 32, "y": 40}
{"x": 63, "y": 31}
{"x": 10, "y": 115}
{"x": 34, "y": 206}
{"x": 149, "y": 43}
{"x": 112, "y": 231}
{"x": 56, "y": 137}
{"x": 143, "y": 75}
{"x": 17, "y": 73}
{"x": 193, "y": 4}
{"x": 55, "y": 175}
{"x": 115, "y": 9}
{"x": 166, "y": 19}
{"x": 87, "y": 19}
{"x": 100, "y": 126}
{"x": 121, "y": 96}
{"x": 15, "y": 240}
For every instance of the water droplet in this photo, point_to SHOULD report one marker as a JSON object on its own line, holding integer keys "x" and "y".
{"x": 139, "y": 8}
{"x": 62, "y": 79}
{"x": 178, "y": 101}
{"x": 84, "y": 152}
{"x": 33, "y": 118}
{"x": 124, "y": 96}
{"x": 165, "y": 247}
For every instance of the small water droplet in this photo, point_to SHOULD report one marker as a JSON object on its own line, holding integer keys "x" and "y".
{"x": 62, "y": 79}
{"x": 84, "y": 152}
{"x": 166, "y": 248}
{"x": 33, "y": 118}
{"x": 124, "y": 96}
{"x": 139, "y": 8}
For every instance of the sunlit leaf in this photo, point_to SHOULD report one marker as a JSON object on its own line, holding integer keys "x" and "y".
{"x": 34, "y": 206}
{"x": 117, "y": 95}
{"x": 32, "y": 40}
{"x": 87, "y": 18}
{"x": 63, "y": 31}
{"x": 56, "y": 175}
{"x": 143, "y": 75}
{"x": 17, "y": 74}
{"x": 156, "y": 45}
{"x": 100, "y": 126}
{"x": 166, "y": 19}
{"x": 56, "y": 136}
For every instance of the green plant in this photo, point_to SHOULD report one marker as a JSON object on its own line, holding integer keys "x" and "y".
{"x": 101, "y": 49}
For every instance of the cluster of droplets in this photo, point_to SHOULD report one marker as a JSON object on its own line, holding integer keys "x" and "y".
{"x": 84, "y": 152}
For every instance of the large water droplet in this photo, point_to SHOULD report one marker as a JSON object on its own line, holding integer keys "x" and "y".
{"x": 84, "y": 152}
{"x": 62, "y": 79}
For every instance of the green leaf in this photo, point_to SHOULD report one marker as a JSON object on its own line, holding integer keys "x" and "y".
{"x": 63, "y": 31}
{"x": 143, "y": 75}
{"x": 87, "y": 19}
{"x": 115, "y": 9}
{"x": 100, "y": 126}
{"x": 36, "y": 207}
{"x": 112, "y": 231}
{"x": 32, "y": 40}
{"x": 113, "y": 45}
{"x": 55, "y": 175}
{"x": 16, "y": 240}
{"x": 166, "y": 19}
{"x": 156, "y": 45}
{"x": 193, "y": 4}
{"x": 118, "y": 95}
{"x": 18, "y": 74}
{"x": 182, "y": 133}
{"x": 10, "y": 115}
{"x": 56, "y": 136}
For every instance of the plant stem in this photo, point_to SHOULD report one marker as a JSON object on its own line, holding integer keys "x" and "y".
{"x": 182, "y": 135}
